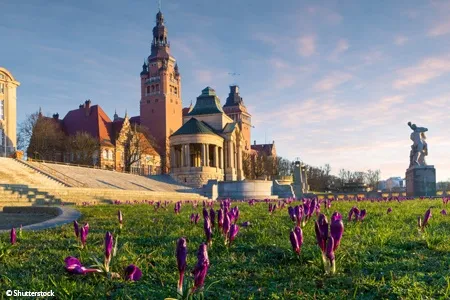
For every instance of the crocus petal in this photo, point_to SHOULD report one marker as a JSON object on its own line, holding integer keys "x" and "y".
{"x": 426, "y": 217}
{"x": 336, "y": 231}
{"x": 294, "y": 242}
{"x": 299, "y": 234}
{"x": 133, "y": 273}
{"x": 108, "y": 246}
{"x": 13, "y": 236}
{"x": 76, "y": 228}
{"x": 330, "y": 247}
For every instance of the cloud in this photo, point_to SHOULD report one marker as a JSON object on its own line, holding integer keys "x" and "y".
{"x": 440, "y": 29}
{"x": 400, "y": 40}
{"x": 332, "y": 80}
{"x": 372, "y": 57}
{"x": 324, "y": 13}
{"x": 307, "y": 45}
{"x": 341, "y": 47}
{"x": 203, "y": 76}
{"x": 422, "y": 73}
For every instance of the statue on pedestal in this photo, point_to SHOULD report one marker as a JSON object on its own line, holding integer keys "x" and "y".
{"x": 419, "y": 148}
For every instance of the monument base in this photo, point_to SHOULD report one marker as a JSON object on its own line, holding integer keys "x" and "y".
{"x": 421, "y": 181}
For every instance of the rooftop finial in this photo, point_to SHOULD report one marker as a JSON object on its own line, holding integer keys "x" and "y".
{"x": 159, "y": 5}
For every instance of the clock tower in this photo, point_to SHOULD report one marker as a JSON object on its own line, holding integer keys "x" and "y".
{"x": 160, "y": 106}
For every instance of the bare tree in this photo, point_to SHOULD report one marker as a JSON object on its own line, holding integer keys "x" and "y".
{"x": 138, "y": 143}
{"x": 25, "y": 131}
{"x": 47, "y": 139}
{"x": 83, "y": 146}
{"x": 247, "y": 162}
{"x": 373, "y": 178}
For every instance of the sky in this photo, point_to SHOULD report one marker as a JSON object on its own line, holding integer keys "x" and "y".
{"x": 329, "y": 81}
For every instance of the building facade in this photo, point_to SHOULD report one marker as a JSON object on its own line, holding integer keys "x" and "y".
{"x": 90, "y": 137}
{"x": 209, "y": 145}
{"x": 160, "y": 105}
{"x": 8, "y": 113}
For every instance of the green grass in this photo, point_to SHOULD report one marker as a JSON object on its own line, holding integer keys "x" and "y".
{"x": 383, "y": 257}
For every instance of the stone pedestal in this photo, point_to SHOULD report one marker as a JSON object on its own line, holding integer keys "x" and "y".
{"x": 421, "y": 181}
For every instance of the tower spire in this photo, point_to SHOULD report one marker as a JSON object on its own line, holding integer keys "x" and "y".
{"x": 159, "y": 5}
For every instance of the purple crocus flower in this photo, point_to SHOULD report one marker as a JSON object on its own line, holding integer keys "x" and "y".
{"x": 201, "y": 268}
{"x": 299, "y": 235}
{"x": 330, "y": 254}
{"x": 336, "y": 231}
{"x": 205, "y": 212}
{"x": 226, "y": 225}
{"x": 362, "y": 214}
{"x": 245, "y": 224}
{"x": 294, "y": 242}
{"x": 351, "y": 212}
{"x": 192, "y": 218}
{"x": 212, "y": 217}
{"x": 196, "y": 218}
{"x": 291, "y": 213}
{"x": 13, "y": 236}
{"x": 234, "y": 229}
{"x": 443, "y": 212}
{"x": 389, "y": 210}
{"x": 132, "y": 273}
{"x": 208, "y": 230}
{"x": 220, "y": 218}
{"x": 323, "y": 227}
{"x": 76, "y": 228}
{"x": 83, "y": 234}
{"x": 298, "y": 211}
{"x": 319, "y": 237}
{"x": 109, "y": 241}
{"x": 426, "y": 218}
{"x": 181, "y": 262}
{"x": 336, "y": 216}
{"x": 74, "y": 266}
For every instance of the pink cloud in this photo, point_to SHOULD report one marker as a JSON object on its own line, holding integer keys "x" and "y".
{"x": 307, "y": 45}
{"x": 332, "y": 80}
{"x": 423, "y": 72}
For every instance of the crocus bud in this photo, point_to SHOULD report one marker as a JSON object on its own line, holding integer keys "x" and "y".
{"x": 294, "y": 242}
{"x": 192, "y": 218}
{"x": 201, "y": 268}
{"x": 212, "y": 216}
{"x": 427, "y": 217}
{"x": 291, "y": 213}
{"x": 362, "y": 214}
{"x": 319, "y": 237}
{"x": 226, "y": 225}
{"x": 109, "y": 241}
{"x": 76, "y": 228}
{"x": 336, "y": 231}
{"x": 208, "y": 231}
{"x": 132, "y": 273}
{"x": 336, "y": 216}
{"x": 389, "y": 210}
{"x": 220, "y": 217}
{"x": 299, "y": 234}
{"x": 196, "y": 218}
{"x": 234, "y": 229}
{"x": 13, "y": 236}
{"x": 444, "y": 212}
{"x": 205, "y": 212}
{"x": 181, "y": 262}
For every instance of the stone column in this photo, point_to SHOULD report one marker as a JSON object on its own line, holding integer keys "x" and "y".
{"x": 207, "y": 154}
{"x": 172, "y": 157}
{"x": 188, "y": 152}
{"x": 216, "y": 156}
{"x": 231, "y": 154}
{"x": 203, "y": 155}
{"x": 221, "y": 158}
{"x": 182, "y": 157}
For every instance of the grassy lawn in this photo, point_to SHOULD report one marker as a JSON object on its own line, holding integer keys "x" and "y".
{"x": 382, "y": 257}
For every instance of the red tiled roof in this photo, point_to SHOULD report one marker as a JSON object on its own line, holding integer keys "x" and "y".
{"x": 91, "y": 119}
{"x": 136, "y": 120}
{"x": 268, "y": 149}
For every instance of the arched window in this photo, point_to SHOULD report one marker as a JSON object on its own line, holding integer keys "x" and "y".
{"x": 110, "y": 154}
{"x": 105, "y": 154}
{"x": 153, "y": 88}
{"x": 148, "y": 89}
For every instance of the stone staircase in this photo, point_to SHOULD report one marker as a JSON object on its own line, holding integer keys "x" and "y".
{"x": 23, "y": 185}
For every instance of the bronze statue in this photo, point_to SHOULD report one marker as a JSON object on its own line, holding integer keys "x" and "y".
{"x": 419, "y": 148}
